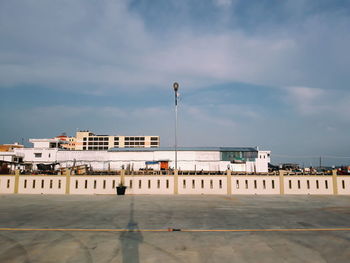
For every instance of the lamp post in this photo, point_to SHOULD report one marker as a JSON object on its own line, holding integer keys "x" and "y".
{"x": 176, "y": 88}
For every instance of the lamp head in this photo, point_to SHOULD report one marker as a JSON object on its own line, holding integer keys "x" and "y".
{"x": 176, "y": 86}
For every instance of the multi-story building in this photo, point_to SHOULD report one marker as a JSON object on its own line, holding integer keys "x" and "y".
{"x": 86, "y": 140}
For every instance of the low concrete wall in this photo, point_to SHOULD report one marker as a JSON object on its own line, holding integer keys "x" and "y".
{"x": 7, "y": 184}
{"x": 249, "y": 185}
{"x": 36, "y": 184}
{"x": 177, "y": 184}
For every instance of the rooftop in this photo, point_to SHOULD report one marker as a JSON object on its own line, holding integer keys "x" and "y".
{"x": 204, "y": 149}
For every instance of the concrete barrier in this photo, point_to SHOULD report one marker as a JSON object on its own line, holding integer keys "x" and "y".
{"x": 222, "y": 184}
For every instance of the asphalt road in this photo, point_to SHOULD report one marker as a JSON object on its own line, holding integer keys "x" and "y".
{"x": 102, "y": 228}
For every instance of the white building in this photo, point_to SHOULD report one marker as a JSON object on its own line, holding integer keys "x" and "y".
{"x": 240, "y": 159}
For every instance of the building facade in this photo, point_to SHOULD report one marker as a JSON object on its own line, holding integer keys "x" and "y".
{"x": 86, "y": 140}
{"x": 238, "y": 159}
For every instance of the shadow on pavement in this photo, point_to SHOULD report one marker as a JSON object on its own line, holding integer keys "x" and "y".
{"x": 131, "y": 240}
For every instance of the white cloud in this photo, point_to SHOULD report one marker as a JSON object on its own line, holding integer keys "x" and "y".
{"x": 79, "y": 44}
{"x": 223, "y": 3}
{"x": 326, "y": 104}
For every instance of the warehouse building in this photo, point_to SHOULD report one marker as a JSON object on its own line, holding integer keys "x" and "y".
{"x": 240, "y": 159}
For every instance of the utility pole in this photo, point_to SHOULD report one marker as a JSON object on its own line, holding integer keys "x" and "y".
{"x": 176, "y": 88}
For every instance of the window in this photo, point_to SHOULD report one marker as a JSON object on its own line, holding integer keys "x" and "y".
{"x": 317, "y": 184}
{"x": 76, "y": 184}
{"x": 59, "y": 184}
{"x": 158, "y": 184}
{"x": 237, "y": 184}
{"x": 154, "y": 143}
{"x": 343, "y": 184}
{"x": 37, "y": 155}
{"x": 51, "y": 184}
{"x": 298, "y": 184}
{"x": 116, "y": 138}
{"x": 104, "y": 184}
{"x": 130, "y": 184}
{"x": 326, "y": 184}
{"x": 184, "y": 184}
{"x": 273, "y": 184}
{"x": 113, "y": 184}
{"x": 154, "y": 138}
{"x": 140, "y": 184}
{"x": 290, "y": 184}
{"x": 246, "y": 184}
{"x": 95, "y": 184}
{"x": 25, "y": 183}
{"x": 308, "y": 184}
{"x": 202, "y": 184}
{"x": 167, "y": 184}
{"x": 84, "y": 139}
{"x": 255, "y": 184}
{"x": 8, "y": 183}
{"x": 193, "y": 184}
{"x": 33, "y": 183}
{"x": 42, "y": 183}
{"x": 149, "y": 184}
{"x": 86, "y": 184}
{"x": 264, "y": 184}
{"x": 220, "y": 184}
{"x": 211, "y": 184}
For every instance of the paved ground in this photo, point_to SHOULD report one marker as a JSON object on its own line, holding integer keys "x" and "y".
{"x": 141, "y": 213}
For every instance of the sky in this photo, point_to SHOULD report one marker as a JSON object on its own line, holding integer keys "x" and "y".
{"x": 267, "y": 73}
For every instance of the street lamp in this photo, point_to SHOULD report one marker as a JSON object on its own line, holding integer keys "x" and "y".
{"x": 176, "y": 88}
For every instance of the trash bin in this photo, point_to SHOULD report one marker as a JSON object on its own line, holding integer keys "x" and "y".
{"x": 121, "y": 190}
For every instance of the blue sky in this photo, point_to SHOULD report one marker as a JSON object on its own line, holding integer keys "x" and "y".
{"x": 273, "y": 74}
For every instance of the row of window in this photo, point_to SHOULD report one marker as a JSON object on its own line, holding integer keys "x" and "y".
{"x": 96, "y": 139}
{"x": 25, "y": 185}
{"x": 95, "y": 184}
{"x": 149, "y": 185}
{"x": 134, "y": 138}
{"x": 95, "y": 148}
{"x": 134, "y": 143}
{"x": 246, "y": 184}
{"x": 96, "y": 143}
{"x": 317, "y": 184}
{"x": 211, "y": 184}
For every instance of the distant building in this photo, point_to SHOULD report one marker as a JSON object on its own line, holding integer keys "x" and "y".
{"x": 239, "y": 159}
{"x": 10, "y": 147}
{"x": 86, "y": 140}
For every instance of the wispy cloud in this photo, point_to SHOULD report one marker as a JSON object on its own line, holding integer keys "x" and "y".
{"x": 104, "y": 46}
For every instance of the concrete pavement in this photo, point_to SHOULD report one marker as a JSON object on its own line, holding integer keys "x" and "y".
{"x": 180, "y": 212}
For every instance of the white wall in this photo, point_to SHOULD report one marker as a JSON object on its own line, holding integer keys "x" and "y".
{"x": 47, "y": 155}
{"x": 42, "y": 184}
{"x": 255, "y": 185}
{"x": 322, "y": 185}
{"x": 149, "y": 184}
{"x": 102, "y": 160}
{"x": 343, "y": 183}
{"x": 7, "y": 184}
{"x": 202, "y": 185}
{"x": 164, "y": 184}
{"x": 93, "y": 184}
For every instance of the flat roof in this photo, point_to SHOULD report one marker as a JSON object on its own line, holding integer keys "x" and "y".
{"x": 204, "y": 149}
